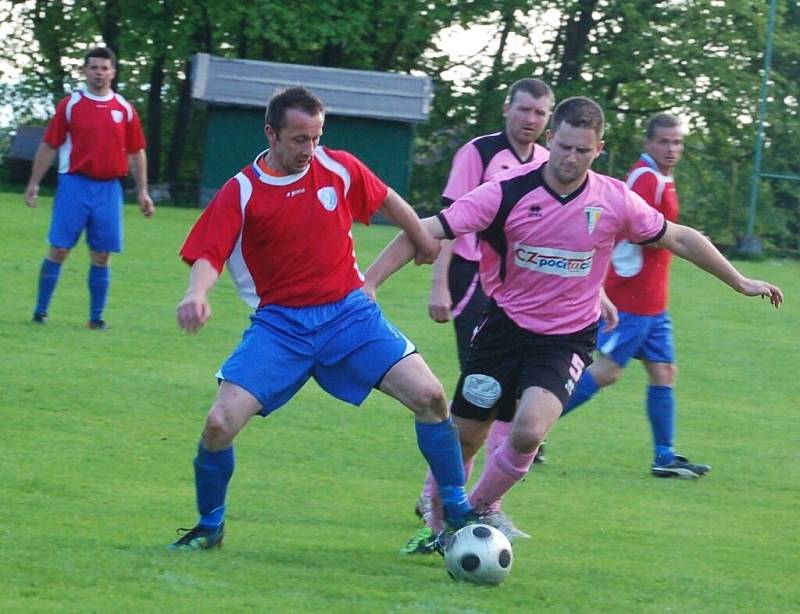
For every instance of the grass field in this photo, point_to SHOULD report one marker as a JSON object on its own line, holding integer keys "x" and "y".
{"x": 99, "y": 431}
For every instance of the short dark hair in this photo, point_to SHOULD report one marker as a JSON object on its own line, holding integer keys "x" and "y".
{"x": 291, "y": 98}
{"x": 535, "y": 87}
{"x": 100, "y": 52}
{"x": 580, "y": 112}
{"x": 662, "y": 120}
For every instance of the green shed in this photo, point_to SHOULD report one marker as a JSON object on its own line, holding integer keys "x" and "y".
{"x": 371, "y": 114}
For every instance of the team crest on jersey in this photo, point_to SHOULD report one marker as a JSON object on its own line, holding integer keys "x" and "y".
{"x": 592, "y": 217}
{"x": 116, "y": 116}
{"x": 328, "y": 197}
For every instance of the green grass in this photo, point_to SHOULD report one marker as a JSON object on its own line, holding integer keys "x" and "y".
{"x": 99, "y": 431}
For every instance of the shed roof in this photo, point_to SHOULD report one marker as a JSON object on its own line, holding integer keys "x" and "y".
{"x": 357, "y": 93}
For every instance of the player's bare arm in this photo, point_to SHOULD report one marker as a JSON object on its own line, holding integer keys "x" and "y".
{"x": 690, "y": 244}
{"x": 138, "y": 164}
{"x": 400, "y": 213}
{"x": 195, "y": 310}
{"x": 42, "y": 161}
{"x": 608, "y": 311}
{"x": 440, "y": 302}
{"x": 397, "y": 254}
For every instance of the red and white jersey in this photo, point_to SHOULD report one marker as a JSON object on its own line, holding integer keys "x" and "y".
{"x": 551, "y": 253}
{"x": 95, "y": 134}
{"x": 638, "y": 278}
{"x": 287, "y": 240}
{"x": 477, "y": 161}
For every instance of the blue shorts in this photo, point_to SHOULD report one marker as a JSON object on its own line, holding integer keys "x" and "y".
{"x": 82, "y": 202}
{"x": 642, "y": 337}
{"x": 346, "y": 346}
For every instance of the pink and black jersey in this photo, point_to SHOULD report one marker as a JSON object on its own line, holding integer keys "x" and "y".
{"x": 638, "y": 278}
{"x": 95, "y": 134}
{"x": 477, "y": 161}
{"x": 551, "y": 252}
{"x": 287, "y": 240}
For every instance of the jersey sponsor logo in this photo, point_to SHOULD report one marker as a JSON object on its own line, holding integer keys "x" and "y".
{"x": 328, "y": 197}
{"x": 481, "y": 390}
{"x": 295, "y": 192}
{"x": 592, "y": 217}
{"x": 552, "y": 261}
{"x": 116, "y": 116}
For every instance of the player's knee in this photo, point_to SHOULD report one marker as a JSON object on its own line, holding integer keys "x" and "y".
{"x": 610, "y": 374}
{"x": 219, "y": 429}
{"x": 58, "y": 254}
{"x": 429, "y": 399}
{"x": 525, "y": 441}
{"x": 100, "y": 258}
{"x": 665, "y": 375}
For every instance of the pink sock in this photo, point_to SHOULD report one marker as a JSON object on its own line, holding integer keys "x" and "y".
{"x": 498, "y": 434}
{"x": 434, "y": 518}
{"x": 504, "y": 468}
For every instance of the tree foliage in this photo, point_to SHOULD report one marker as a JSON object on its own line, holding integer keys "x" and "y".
{"x": 701, "y": 59}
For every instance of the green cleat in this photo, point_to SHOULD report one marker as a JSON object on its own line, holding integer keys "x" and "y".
{"x": 420, "y": 543}
{"x": 199, "y": 538}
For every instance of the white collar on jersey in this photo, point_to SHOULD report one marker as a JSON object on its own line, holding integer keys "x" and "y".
{"x": 85, "y": 92}
{"x": 271, "y": 179}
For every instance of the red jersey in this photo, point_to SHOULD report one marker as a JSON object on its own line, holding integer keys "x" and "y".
{"x": 287, "y": 239}
{"x": 638, "y": 278}
{"x": 95, "y": 134}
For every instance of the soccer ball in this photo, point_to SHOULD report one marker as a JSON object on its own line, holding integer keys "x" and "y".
{"x": 480, "y": 554}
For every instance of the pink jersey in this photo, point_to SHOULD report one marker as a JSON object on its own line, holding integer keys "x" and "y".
{"x": 476, "y": 162}
{"x": 551, "y": 253}
{"x": 287, "y": 239}
{"x": 95, "y": 134}
{"x": 638, "y": 279}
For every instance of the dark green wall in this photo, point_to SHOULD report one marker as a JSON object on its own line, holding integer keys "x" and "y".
{"x": 236, "y": 135}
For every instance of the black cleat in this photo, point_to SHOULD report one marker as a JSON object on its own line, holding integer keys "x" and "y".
{"x": 97, "y": 325}
{"x": 680, "y": 467}
{"x": 40, "y": 317}
{"x": 199, "y": 538}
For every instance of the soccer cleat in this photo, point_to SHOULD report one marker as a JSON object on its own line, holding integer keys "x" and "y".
{"x": 40, "y": 317}
{"x": 97, "y": 325}
{"x": 500, "y": 521}
{"x": 423, "y": 506}
{"x": 420, "y": 543}
{"x": 451, "y": 525}
{"x": 680, "y": 467}
{"x": 199, "y": 538}
{"x": 540, "y": 455}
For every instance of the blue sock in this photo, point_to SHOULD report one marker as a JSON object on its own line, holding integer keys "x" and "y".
{"x": 440, "y": 446}
{"x": 587, "y": 387}
{"x": 99, "y": 280}
{"x": 212, "y": 472}
{"x": 48, "y": 278}
{"x": 661, "y": 412}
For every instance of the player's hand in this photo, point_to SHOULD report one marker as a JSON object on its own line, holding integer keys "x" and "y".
{"x": 756, "y": 287}
{"x": 440, "y": 304}
{"x": 193, "y": 313}
{"x": 31, "y": 193}
{"x": 427, "y": 253}
{"x": 146, "y": 204}
{"x": 609, "y": 313}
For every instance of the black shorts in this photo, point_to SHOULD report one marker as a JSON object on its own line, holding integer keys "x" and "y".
{"x": 460, "y": 277}
{"x": 506, "y": 359}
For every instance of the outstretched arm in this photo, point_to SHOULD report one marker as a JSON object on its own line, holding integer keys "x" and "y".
{"x": 688, "y": 243}
{"x": 401, "y": 214}
{"x": 397, "y": 254}
{"x": 195, "y": 310}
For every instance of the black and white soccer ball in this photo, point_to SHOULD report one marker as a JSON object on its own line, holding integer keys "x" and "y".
{"x": 480, "y": 554}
